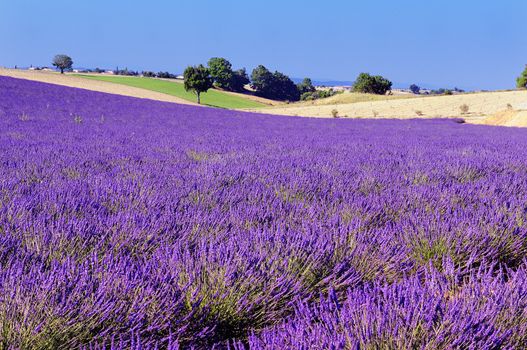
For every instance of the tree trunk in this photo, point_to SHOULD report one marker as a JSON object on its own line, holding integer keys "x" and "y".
{"x": 199, "y": 100}
{"x": 62, "y": 71}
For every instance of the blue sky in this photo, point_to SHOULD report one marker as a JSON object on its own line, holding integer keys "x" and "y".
{"x": 466, "y": 43}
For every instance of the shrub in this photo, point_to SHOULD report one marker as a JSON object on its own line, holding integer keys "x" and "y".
{"x": 306, "y": 87}
{"x": 125, "y": 72}
{"x": 318, "y": 94}
{"x": 464, "y": 108}
{"x": 335, "y": 113}
{"x": 165, "y": 75}
{"x": 370, "y": 84}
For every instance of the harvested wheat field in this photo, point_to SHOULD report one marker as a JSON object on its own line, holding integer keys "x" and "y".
{"x": 88, "y": 84}
{"x": 507, "y": 118}
{"x": 480, "y": 106}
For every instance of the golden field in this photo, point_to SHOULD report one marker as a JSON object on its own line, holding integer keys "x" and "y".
{"x": 481, "y": 106}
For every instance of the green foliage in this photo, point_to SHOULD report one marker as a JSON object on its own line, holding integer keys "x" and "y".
{"x": 221, "y": 72}
{"x": 262, "y": 79}
{"x": 521, "y": 82}
{"x": 225, "y": 78}
{"x": 415, "y": 89}
{"x": 442, "y": 91}
{"x": 239, "y": 80}
{"x": 276, "y": 86}
{"x": 370, "y": 84}
{"x": 306, "y": 86}
{"x": 318, "y": 94}
{"x": 62, "y": 62}
{"x": 284, "y": 88}
{"x": 198, "y": 80}
{"x": 148, "y": 74}
{"x": 166, "y": 75}
{"x": 126, "y": 72}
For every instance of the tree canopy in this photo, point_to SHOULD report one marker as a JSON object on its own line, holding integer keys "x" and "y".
{"x": 221, "y": 72}
{"x": 239, "y": 80}
{"x": 415, "y": 89}
{"x": 370, "y": 84}
{"x": 197, "y": 79}
{"x": 306, "y": 86}
{"x": 62, "y": 62}
{"x": 276, "y": 86}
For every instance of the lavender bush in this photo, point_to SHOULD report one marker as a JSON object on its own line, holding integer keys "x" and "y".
{"x": 135, "y": 224}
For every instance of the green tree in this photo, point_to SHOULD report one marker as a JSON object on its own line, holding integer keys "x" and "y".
{"x": 197, "y": 79}
{"x": 521, "y": 82}
{"x": 276, "y": 86}
{"x": 239, "y": 80}
{"x": 221, "y": 72}
{"x": 261, "y": 79}
{"x": 415, "y": 89}
{"x": 370, "y": 84}
{"x": 306, "y": 86}
{"x": 284, "y": 88}
{"x": 62, "y": 62}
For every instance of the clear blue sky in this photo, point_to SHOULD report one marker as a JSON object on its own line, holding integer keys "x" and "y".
{"x": 465, "y": 43}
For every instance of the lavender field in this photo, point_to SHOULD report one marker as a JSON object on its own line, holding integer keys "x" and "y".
{"x": 135, "y": 224}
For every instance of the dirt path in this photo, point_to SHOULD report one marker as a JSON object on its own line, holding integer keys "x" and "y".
{"x": 89, "y": 84}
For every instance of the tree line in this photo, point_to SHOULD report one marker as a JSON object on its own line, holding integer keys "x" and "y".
{"x": 272, "y": 85}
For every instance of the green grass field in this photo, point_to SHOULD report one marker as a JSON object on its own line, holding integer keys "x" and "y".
{"x": 213, "y": 98}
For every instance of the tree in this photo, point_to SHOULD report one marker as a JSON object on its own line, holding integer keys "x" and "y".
{"x": 239, "y": 80}
{"x": 197, "y": 79}
{"x": 415, "y": 89}
{"x": 62, "y": 62}
{"x": 306, "y": 86}
{"x": 276, "y": 86}
{"x": 261, "y": 79}
{"x": 284, "y": 88}
{"x": 521, "y": 82}
{"x": 370, "y": 84}
{"x": 221, "y": 72}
